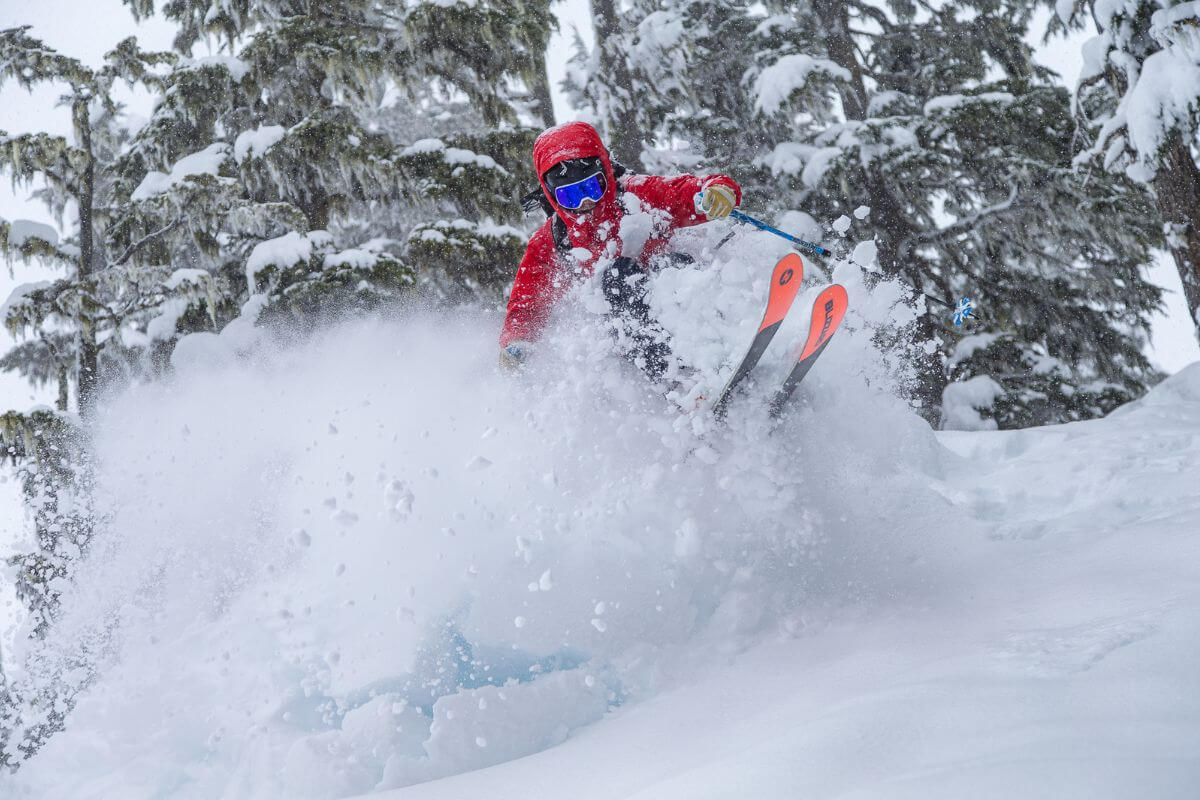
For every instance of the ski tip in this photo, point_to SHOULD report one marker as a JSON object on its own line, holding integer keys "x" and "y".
{"x": 828, "y": 310}
{"x": 785, "y": 285}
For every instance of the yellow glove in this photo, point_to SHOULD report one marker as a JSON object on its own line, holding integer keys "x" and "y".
{"x": 718, "y": 201}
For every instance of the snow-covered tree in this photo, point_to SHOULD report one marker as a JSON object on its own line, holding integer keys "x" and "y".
{"x": 69, "y": 324}
{"x": 1138, "y": 108}
{"x": 936, "y": 119}
{"x": 75, "y": 175}
{"x": 246, "y": 150}
{"x": 297, "y": 113}
{"x": 72, "y": 324}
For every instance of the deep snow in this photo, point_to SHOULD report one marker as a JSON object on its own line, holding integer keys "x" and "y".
{"x": 370, "y": 561}
{"x": 1051, "y": 653}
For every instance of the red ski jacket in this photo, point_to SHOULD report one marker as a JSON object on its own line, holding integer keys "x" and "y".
{"x": 549, "y": 268}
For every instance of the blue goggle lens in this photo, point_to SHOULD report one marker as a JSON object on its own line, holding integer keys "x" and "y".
{"x": 573, "y": 194}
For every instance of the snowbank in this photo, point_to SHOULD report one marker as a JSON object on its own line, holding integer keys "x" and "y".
{"x": 371, "y": 560}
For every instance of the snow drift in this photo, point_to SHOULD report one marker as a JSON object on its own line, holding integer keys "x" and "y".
{"x": 369, "y": 561}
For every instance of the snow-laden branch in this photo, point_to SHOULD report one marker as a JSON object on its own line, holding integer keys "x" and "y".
{"x": 790, "y": 73}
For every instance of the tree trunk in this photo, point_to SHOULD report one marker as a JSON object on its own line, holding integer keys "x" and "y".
{"x": 539, "y": 87}
{"x": 1177, "y": 187}
{"x": 89, "y": 351}
{"x": 835, "y": 22}
{"x": 64, "y": 384}
{"x": 316, "y": 208}
{"x": 624, "y": 137}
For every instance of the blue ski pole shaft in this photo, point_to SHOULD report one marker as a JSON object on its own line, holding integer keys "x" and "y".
{"x": 758, "y": 223}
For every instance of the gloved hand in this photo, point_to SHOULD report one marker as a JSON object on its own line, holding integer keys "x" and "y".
{"x": 514, "y": 354}
{"x": 717, "y": 201}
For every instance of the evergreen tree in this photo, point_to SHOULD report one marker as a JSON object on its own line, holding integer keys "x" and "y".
{"x": 71, "y": 327}
{"x": 341, "y": 118}
{"x": 936, "y": 119}
{"x": 72, "y": 324}
{"x": 78, "y": 174}
{"x": 1138, "y": 110}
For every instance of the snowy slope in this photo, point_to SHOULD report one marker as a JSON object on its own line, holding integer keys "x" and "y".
{"x": 1053, "y": 656}
{"x": 370, "y": 563}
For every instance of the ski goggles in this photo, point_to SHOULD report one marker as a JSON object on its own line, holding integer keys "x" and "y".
{"x": 572, "y": 195}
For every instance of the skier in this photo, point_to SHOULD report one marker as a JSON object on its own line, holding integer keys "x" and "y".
{"x": 586, "y": 196}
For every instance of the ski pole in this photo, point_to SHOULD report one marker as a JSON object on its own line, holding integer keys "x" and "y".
{"x": 739, "y": 216}
{"x": 762, "y": 226}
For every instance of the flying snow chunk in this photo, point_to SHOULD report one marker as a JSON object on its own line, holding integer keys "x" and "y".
{"x": 637, "y": 225}
{"x": 862, "y": 212}
{"x": 687, "y": 539}
{"x": 864, "y": 254}
{"x": 841, "y": 225}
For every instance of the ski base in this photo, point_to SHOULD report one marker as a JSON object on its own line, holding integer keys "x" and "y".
{"x": 828, "y": 311}
{"x": 786, "y": 278}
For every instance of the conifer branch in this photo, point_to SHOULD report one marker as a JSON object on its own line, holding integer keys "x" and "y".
{"x": 961, "y": 226}
{"x": 133, "y": 248}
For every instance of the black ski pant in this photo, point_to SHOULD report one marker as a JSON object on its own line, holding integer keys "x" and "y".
{"x": 642, "y": 338}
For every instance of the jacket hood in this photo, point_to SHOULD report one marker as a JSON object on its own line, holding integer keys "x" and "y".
{"x": 565, "y": 142}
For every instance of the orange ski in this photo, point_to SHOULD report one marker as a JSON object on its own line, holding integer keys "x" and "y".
{"x": 828, "y": 311}
{"x": 785, "y": 284}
